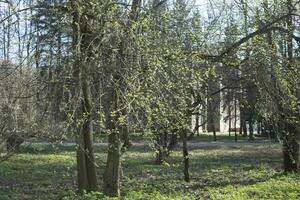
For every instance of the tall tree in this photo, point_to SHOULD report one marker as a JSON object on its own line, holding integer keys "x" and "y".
{"x": 115, "y": 106}
{"x": 86, "y": 167}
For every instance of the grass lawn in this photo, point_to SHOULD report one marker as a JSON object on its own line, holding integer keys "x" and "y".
{"x": 244, "y": 171}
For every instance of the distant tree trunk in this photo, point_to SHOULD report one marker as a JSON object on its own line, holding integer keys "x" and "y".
{"x": 213, "y": 105}
{"x": 251, "y": 137}
{"x": 161, "y": 157}
{"x": 164, "y": 144}
{"x": 125, "y": 137}
{"x": 8, "y": 36}
{"x": 197, "y": 124}
{"x": 214, "y": 132}
{"x": 13, "y": 143}
{"x": 185, "y": 156}
{"x": 241, "y": 122}
{"x": 161, "y": 148}
{"x": 4, "y": 41}
{"x": 259, "y": 127}
{"x": 172, "y": 143}
{"x": 229, "y": 119}
{"x": 244, "y": 127}
{"x": 58, "y": 88}
{"x": 235, "y": 118}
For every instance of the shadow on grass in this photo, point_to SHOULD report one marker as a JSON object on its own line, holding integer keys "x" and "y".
{"x": 214, "y": 167}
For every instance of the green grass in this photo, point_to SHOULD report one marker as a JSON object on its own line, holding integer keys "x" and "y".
{"x": 240, "y": 172}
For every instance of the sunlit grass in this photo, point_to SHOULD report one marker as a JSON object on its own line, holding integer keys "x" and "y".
{"x": 244, "y": 171}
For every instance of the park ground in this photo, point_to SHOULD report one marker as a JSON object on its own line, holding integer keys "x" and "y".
{"x": 219, "y": 170}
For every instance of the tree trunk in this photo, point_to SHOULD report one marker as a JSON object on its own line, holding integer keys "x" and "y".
{"x": 229, "y": 120}
{"x": 87, "y": 177}
{"x": 185, "y": 157}
{"x": 112, "y": 173}
{"x": 162, "y": 148}
{"x": 251, "y": 137}
{"x": 291, "y": 134}
{"x": 241, "y": 122}
{"x": 214, "y": 132}
{"x": 82, "y": 180}
{"x": 13, "y": 143}
{"x": 161, "y": 156}
{"x": 259, "y": 128}
{"x": 125, "y": 138}
{"x": 213, "y": 105}
{"x": 87, "y": 131}
{"x": 235, "y": 118}
{"x": 291, "y": 150}
{"x": 197, "y": 124}
{"x": 244, "y": 127}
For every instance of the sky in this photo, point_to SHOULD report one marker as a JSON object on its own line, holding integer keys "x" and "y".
{"x": 199, "y": 2}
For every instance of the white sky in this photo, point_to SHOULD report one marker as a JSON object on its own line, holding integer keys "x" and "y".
{"x": 200, "y": 2}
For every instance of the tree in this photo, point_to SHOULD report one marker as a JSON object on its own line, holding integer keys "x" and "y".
{"x": 86, "y": 167}
{"x": 115, "y": 104}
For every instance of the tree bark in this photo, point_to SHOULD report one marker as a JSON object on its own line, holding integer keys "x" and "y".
{"x": 162, "y": 148}
{"x": 291, "y": 149}
{"x": 161, "y": 156}
{"x": 235, "y": 118}
{"x": 229, "y": 119}
{"x": 251, "y": 136}
{"x": 185, "y": 157}
{"x": 112, "y": 174}
{"x": 214, "y": 133}
{"x": 87, "y": 131}
{"x": 291, "y": 135}
{"x": 82, "y": 180}
{"x": 197, "y": 124}
{"x": 115, "y": 105}
{"x": 125, "y": 138}
{"x": 244, "y": 127}
{"x": 86, "y": 169}
{"x": 111, "y": 185}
